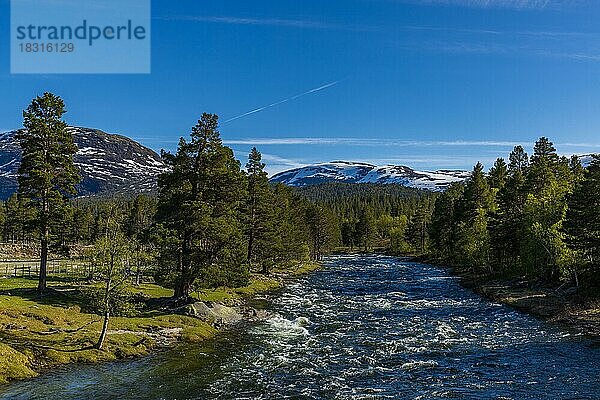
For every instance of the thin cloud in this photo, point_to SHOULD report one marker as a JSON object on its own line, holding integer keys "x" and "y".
{"x": 281, "y": 161}
{"x": 572, "y": 56}
{"x": 276, "y": 22}
{"x": 336, "y": 141}
{"x": 363, "y": 142}
{"x": 256, "y": 110}
{"x": 485, "y": 48}
{"x": 493, "y": 32}
{"x": 510, "y": 4}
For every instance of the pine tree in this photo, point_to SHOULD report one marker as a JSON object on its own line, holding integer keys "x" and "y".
{"x": 518, "y": 160}
{"x": 2, "y": 220}
{"x": 17, "y": 224}
{"x": 498, "y": 174}
{"x": 348, "y": 234}
{"x": 292, "y": 234}
{"x": 324, "y": 233}
{"x": 365, "y": 228}
{"x": 140, "y": 219}
{"x": 419, "y": 228}
{"x": 576, "y": 168}
{"x": 582, "y": 226}
{"x": 506, "y": 223}
{"x": 472, "y": 235}
{"x": 398, "y": 235}
{"x": 548, "y": 182}
{"x": 47, "y": 174}
{"x": 443, "y": 221}
{"x": 260, "y": 231}
{"x": 200, "y": 200}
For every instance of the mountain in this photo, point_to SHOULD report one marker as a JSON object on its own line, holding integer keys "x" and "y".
{"x": 108, "y": 163}
{"x": 586, "y": 160}
{"x": 352, "y": 172}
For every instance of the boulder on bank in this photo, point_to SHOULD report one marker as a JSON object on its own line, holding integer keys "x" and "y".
{"x": 216, "y": 314}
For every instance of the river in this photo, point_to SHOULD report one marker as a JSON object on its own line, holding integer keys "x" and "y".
{"x": 363, "y": 327}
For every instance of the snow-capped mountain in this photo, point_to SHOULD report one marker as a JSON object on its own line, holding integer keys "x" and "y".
{"x": 586, "y": 160}
{"x": 351, "y": 172}
{"x": 108, "y": 163}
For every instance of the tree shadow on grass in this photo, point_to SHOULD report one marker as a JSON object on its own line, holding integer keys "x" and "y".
{"x": 53, "y": 296}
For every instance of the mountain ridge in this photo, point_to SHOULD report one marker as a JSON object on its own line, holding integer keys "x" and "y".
{"x": 108, "y": 163}
{"x": 357, "y": 172}
{"x": 112, "y": 163}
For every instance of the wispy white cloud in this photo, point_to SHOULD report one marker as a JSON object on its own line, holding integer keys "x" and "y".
{"x": 276, "y": 22}
{"x": 274, "y": 163}
{"x": 512, "y": 4}
{"x": 539, "y": 49}
{"x": 363, "y": 142}
{"x": 374, "y": 142}
{"x": 431, "y": 162}
{"x": 495, "y": 32}
{"x": 572, "y": 56}
{"x": 281, "y": 161}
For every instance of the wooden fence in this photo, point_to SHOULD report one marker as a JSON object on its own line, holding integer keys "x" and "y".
{"x": 31, "y": 268}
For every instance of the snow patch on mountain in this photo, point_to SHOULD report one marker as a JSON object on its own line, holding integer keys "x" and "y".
{"x": 586, "y": 160}
{"x": 108, "y": 163}
{"x": 350, "y": 172}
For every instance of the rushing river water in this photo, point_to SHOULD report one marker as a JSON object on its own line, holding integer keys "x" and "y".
{"x": 362, "y": 328}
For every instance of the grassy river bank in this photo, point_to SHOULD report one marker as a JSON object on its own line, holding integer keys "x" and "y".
{"x": 40, "y": 333}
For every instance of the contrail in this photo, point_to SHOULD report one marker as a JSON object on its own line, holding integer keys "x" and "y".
{"x": 328, "y": 85}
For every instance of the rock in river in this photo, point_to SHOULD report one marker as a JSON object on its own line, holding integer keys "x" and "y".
{"x": 214, "y": 313}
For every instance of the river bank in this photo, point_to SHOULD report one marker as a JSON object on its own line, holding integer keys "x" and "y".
{"x": 550, "y": 303}
{"x": 561, "y": 306}
{"x": 38, "y": 334}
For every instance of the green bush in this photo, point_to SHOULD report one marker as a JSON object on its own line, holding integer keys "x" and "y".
{"x": 122, "y": 304}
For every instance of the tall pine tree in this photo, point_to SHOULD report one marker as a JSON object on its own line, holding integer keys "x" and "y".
{"x": 582, "y": 225}
{"x": 506, "y": 223}
{"x": 472, "y": 235}
{"x": 260, "y": 231}
{"x": 199, "y": 211}
{"x": 548, "y": 182}
{"x": 47, "y": 174}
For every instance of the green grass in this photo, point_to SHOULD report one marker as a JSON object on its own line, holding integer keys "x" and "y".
{"x": 17, "y": 283}
{"x": 152, "y": 290}
{"x": 43, "y": 332}
{"x": 300, "y": 269}
{"x": 258, "y": 284}
{"x": 37, "y": 333}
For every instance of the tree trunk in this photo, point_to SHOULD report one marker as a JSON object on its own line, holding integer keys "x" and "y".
{"x": 138, "y": 273}
{"x": 183, "y": 284}
{"x": 250, "y": 244}
{"x": 183, "y": 287}
{"x": 43, "y": 262}
{"x": 104, "y": 329}
{"x": 106, "y": 314}
{"x": 107, "y": 293}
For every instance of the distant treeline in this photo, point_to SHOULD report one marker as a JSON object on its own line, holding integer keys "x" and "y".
{"x": 211, "y": 222}
{"x": 391, "y": 217}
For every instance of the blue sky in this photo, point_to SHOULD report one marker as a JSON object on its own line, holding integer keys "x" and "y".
{"x": 430, "y": 84}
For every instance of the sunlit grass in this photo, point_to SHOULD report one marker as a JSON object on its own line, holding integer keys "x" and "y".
{"x": 39, "y": 332}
